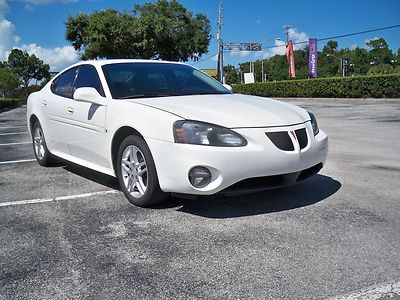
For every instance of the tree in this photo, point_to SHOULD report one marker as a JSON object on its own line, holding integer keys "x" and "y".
{"x": 380, "y": 52}
{"x": 381, "y": 69}
{"x": 360, "y": 61}
{"x": 231, "y": 74}
{"x": 160, "y": 30}
{"x": 27, "y": 67}
{"x": 104, "y": 34}
{"x": 330, "y": 47}
{"x": 8, "y": 82}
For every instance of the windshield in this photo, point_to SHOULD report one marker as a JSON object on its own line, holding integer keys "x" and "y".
{"x": 140, "y": 80}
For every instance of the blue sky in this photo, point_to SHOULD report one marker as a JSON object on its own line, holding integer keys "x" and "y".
{"x": 38, "y": 26}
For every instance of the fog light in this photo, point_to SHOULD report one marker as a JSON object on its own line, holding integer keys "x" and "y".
{"x": 199, "y": 177}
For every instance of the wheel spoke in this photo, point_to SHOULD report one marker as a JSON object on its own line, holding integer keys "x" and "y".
{"x": 141, "y": 164}
{"x": 135, "y": 156}
{"x": 126, "y": 164}
{"x": 130, "y": 184}
{"x": 140, "y": 188}
{"x": 142, "y": 171}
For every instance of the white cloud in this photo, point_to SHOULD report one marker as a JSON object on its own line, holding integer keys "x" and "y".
{"x": 240, "y": 53}
{"x": 7, "y": 38}
{"x": 58, "y": 58}
{"x": 298, "y": 37}
{"x": 280, "y": 49}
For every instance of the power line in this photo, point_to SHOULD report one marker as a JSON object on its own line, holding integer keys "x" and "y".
{"x": 319, "y": 39}
{"x": 340, "y": 36}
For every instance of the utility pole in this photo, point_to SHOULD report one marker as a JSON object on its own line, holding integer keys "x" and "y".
{"x": 287, "y": 28}
{"x": 262, "y": 70}
{"x": 220, "y": 63}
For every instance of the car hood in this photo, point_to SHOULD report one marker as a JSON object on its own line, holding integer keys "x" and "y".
{"x": 230, "y": 110}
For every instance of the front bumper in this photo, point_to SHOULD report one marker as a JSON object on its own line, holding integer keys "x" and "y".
{"x": 230, "y": 165}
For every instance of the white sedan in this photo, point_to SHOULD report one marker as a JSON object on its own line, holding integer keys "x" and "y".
{"x": 166, "y": 127}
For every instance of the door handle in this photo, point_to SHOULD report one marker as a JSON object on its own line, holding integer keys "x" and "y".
{"x": 44, "y": 103}
{"x": 70, "y": 110}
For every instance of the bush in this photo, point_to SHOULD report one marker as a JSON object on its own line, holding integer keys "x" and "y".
{"x": 378, "y": 86}
{"x": 6, "y": 102}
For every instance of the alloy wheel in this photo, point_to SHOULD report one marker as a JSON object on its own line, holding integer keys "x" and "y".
{"x": 134, "y": 171}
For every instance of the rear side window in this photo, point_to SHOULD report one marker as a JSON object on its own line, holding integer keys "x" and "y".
{"x": 88, "y": 77}
{"x": 62, "y": 85}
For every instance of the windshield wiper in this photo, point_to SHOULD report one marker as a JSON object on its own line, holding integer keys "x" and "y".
{"x": 144, "y": 95}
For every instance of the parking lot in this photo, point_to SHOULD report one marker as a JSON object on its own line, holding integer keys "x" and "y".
{"x": 67, "y": 232}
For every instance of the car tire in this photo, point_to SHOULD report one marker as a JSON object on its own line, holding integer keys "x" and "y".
{"x": 42, "y": 154}
{"x": 137, "y": 173}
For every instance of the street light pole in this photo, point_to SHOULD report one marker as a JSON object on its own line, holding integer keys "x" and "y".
{"x": 220, "y": 64}
{"x": 262, "y": 70}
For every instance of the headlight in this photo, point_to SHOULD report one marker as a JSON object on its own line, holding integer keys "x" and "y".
{"x": 200, "y": 133}
{"x": 314, "y": 123}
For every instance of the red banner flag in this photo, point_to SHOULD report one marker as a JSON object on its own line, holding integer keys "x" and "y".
{"x": 290, "y": 59}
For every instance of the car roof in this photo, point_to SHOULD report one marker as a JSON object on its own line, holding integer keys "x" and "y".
{"x": 102, "y": 62}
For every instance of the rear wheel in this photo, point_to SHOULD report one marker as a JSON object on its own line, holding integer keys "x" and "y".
{"x": 42, "y": 154}
{"x": 137, "y": 174}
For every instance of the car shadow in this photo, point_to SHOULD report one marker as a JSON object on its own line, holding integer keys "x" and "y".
{"x": 311, "y": 191}
{"x": 308, "y": 192}
{"x": 92, "y": 175}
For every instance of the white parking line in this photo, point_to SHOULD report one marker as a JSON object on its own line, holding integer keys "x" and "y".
{"x": 13, "y": 144}
{"x": 14, "y": 133}
{"x": 62, "y": 198}
{"x": 381, "y": 291}
{"x": 16, "y": 161}
{"x": 9, "y": 127}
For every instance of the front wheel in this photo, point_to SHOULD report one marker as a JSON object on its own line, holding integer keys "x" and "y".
{"x": 42, "y": 154}
{"x": 137, "y": 173}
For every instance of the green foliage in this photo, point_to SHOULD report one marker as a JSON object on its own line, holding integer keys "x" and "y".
{"x": 27, "y": 67}
{"x": 353, "y": 87}
{"x": 381, "y": 69}
{"x": 5, "y": 102}
{"x": 231, "y": 74}
{"x": 106, "y": 33}
{"x": 329, "y": 62}
{"x": 9, "y": 81}
{"x": 380, "y": 52}
{"x": 330, "y": 47}
{"x": 161, "y": 30}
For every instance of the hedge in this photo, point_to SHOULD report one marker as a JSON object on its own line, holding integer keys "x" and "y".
{"x": 374, "y": 86}
{"x": 6, "y": 102}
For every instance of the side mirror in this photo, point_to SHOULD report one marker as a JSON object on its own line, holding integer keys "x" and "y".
{"x": 89, "y": 94}
{"x": 227, "y": 86}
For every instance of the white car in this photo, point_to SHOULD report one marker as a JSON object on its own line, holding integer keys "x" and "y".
{"x": 166, "y": 127}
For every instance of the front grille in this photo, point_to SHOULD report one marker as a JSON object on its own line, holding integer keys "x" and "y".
{"x": 281, "y": 140}
{"x": 302, "y": 137}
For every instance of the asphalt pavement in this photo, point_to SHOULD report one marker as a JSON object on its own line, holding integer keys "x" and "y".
{"x": 68, "y": 233}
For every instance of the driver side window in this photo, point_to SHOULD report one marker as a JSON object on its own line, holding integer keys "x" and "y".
{"x": 88, "y": 77}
